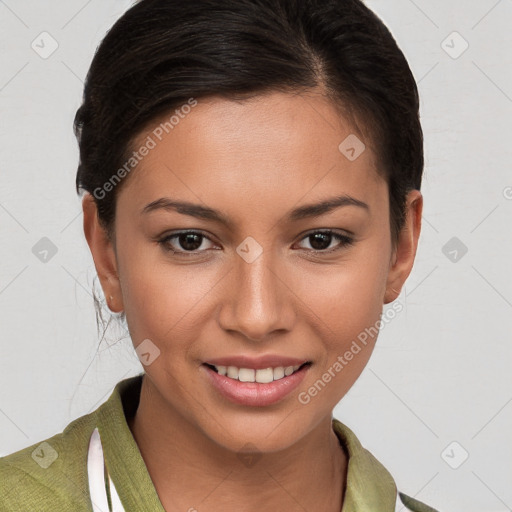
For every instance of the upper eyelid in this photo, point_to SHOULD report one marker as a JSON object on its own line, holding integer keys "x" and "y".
{"x": 183, "y": 232}
{"x": 167, "y": 237}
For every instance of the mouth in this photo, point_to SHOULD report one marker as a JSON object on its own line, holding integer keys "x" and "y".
{"x": 255, "y": 387}
{"x": 261, "y": 375}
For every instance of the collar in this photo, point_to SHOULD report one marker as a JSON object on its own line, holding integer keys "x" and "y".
{"x": 369, "y": 485}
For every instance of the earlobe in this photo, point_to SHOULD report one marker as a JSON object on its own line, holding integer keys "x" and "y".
{"x": 405, "y": 252}
{"x": 103, "y": 254}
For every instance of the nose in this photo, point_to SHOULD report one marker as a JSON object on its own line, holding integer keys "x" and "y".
{"x": 257, "y": 302}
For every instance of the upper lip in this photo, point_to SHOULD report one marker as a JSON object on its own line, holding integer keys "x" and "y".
{"x": 257, "y": 363}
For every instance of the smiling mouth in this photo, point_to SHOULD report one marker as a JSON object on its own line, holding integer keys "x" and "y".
{"x": 262, "y": 376}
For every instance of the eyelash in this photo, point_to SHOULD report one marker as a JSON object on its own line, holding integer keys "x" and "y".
{"x": 346, "y": 242}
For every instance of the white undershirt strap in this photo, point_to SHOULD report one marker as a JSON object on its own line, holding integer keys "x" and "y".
{"x": 97, "y": 474}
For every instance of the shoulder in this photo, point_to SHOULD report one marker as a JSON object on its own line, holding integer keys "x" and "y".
{"x": 51, "y": 474}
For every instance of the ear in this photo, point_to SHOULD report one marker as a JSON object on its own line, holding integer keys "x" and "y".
{"x": 403, "y": 256}
{"x": 103, "y": 254}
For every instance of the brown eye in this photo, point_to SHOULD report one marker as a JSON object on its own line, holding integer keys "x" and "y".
{"x": 320, "y": 241}
{"x": 190, "y": 241}
{"x": 184, "y": 242}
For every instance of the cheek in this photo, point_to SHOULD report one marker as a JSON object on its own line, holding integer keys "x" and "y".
{"x": 162, "y": 299}
{"x": 346, "y": 306}
{"x": 347, "y": 299}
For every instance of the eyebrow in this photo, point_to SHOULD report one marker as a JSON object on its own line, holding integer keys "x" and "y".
{"x": 302, "y": 212}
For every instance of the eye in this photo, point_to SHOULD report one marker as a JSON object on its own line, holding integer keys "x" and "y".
{"x": 320, "y": 241}
{"x": 185, "y": 243}
{"x": 189, "y": 243}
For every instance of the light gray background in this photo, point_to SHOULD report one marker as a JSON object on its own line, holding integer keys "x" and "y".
{"x": 441, "y": 371}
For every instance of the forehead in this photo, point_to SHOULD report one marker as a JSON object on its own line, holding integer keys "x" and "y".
{"x": 278, "y": 146}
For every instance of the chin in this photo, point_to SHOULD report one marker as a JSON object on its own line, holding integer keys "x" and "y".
{"x": 269, "y": 433}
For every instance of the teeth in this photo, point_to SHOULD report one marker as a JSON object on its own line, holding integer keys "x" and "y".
{"x": 232, "y": 372}
{"x": 246, "y": 375}
{"x": 278, "y": 373}
{"x": 263, "y": 376}
{"x": 289, "y": 370}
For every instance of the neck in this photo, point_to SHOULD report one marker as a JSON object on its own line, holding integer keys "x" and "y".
{"x": 189, "y": 470}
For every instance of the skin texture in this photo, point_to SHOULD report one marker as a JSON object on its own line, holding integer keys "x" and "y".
{"x": 254, "y": 161}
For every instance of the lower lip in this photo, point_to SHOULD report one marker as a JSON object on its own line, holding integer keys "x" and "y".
{"x": 255, "y": 393}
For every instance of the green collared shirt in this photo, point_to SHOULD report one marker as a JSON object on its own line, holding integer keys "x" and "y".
{"x": 52, "y": 476}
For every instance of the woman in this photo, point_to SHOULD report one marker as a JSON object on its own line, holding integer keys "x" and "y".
{"x": 252, "y": 175}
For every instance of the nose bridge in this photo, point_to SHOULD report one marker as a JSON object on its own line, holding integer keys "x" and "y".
{"x": 257, "y": 303}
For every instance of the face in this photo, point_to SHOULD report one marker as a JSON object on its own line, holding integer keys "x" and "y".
{"x": 262, "y": 278}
